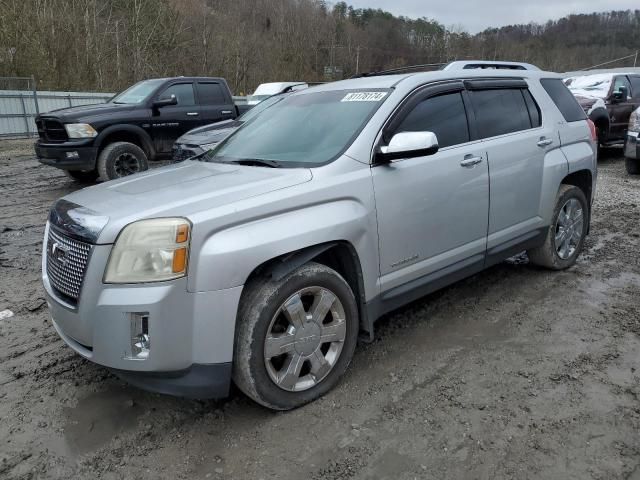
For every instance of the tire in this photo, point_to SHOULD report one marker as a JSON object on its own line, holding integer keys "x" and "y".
{"x": 256, "y": 370}
{"x": 82, "y": 176}
{"x": 632, "y": 165}
{"x": 557, "y": 257}
{"x": 120, "y": 159}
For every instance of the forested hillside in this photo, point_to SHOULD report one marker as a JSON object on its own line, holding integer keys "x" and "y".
{"x": 106, "y": 45}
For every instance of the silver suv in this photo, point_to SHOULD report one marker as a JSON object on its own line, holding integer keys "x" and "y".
{"x": 263, "y": 262}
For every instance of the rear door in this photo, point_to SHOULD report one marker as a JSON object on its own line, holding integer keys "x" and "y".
{"x": 432, "y": 211}
{"x": 515, "y": 142}
{"x": 215, "y": 102}
{"x": 172, "y": 121}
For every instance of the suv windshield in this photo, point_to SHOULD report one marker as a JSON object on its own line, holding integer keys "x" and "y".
{"x": 301, "y": 130}
{"x": 137, "y": 93}
{"x": 249, "y": 114}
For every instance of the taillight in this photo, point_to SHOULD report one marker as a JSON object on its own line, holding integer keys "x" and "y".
{"x": 594, "y": 132}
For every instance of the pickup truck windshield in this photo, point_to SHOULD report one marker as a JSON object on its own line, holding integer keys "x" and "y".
{"x": 137, "y": 93}
{"x": 302, "y": 130}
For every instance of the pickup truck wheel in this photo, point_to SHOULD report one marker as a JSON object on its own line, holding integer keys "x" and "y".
{"x": 120, "y": 159}
{"x": 632, "y": 165}
{"x": 565, "y": 237}
{"x": 82, "y": 176}
{"x": 295, "y": 337}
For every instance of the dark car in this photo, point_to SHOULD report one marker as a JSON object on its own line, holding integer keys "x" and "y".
{"x": 201, "y": 139}
{"x": 608, "y": 99}
{"x": 119, "y": 137}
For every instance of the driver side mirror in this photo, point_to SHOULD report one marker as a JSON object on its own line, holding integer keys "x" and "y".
{"x": 408, "y": 145}
{"x": 621, "y": 95}
{"x": 163, "y": 102}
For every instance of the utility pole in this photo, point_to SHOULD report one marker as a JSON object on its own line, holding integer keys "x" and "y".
{"x": 358, "y": 59}
{"x": 635, "y": 60}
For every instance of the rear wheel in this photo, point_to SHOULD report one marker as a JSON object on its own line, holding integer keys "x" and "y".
{"x": 632, "y": 165}
{"x": 295, "y": 337}
{"x": 82, "y": 176}
{"x": 565, "y": 237}
{"x": 120, "y": 159}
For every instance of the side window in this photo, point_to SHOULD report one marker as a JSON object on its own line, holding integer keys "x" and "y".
{"x": 500, "y": 111}
{"x": 621, "y": 81}
{"x": 534, "y": 110}
{"x": 635, "y": 86}
{"x": 443, "y": 115}
{"x": 564, "y": 99}
{"x": 183, "y": 93}
{"x": 211, "y": 94}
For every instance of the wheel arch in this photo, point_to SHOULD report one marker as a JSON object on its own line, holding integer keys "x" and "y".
{"x": 583, "y": 179}
{"x": 600, "y": 118}
{"x": 126, "y": 133}
{"x": 339, "y": 255}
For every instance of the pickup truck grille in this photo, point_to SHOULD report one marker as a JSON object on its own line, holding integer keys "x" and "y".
{"x": 51, "y": 130}
{"x": 67, "y": 261}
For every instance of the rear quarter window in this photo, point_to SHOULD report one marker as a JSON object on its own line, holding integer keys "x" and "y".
{"x": 564, "y": 99}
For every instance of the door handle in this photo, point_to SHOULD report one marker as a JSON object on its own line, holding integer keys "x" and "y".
{"x": 192, "y": 114}
{"x": 470, "y": 161}
{"x": 544, "y": 142}
{"x": 226, "y": 112}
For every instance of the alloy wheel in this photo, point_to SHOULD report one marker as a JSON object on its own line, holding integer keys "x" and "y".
{"x": 126, "y": 164}
{"x": 305, "y": 339}
{"x": 569, "y": 228}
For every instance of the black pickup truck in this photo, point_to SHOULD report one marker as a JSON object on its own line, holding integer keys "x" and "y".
{"x": 118, "y": 138}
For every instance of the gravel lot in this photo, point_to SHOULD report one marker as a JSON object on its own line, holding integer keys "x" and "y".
{"x": 514, "y": 373}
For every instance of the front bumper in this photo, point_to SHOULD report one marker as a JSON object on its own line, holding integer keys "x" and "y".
{"x": 632, "y": 146}
{"x": 191, "y": 334}
{"x": 79, "y": 155}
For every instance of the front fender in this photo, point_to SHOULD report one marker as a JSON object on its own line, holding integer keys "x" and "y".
{"x": 147, "y": 143}
{"x": 227, "y": 258}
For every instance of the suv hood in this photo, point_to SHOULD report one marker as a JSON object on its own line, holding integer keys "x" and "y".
{"x": 83, "y": 112}
{"x": 213, "y": 133}
{"x": 177, "y": 190}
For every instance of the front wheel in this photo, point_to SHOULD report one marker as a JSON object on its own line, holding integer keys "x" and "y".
{"x": 565, "y": 237}
{"x": 295, "y": 337}
{"x": 120, "y": 159}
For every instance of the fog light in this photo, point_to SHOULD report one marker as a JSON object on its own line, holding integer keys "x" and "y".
{"x": 73, "y": 154}
{"x": 140, "y": 342}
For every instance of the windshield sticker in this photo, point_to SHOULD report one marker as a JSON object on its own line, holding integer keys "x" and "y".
{"x": 364, "y": 97}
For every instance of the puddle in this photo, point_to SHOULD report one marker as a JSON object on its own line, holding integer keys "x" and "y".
{"x": 97, "y": 419}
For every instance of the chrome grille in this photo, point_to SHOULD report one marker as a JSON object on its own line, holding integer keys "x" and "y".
{"x": 66, "y": 263}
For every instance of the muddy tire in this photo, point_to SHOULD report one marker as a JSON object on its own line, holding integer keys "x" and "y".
{"x": 567, "y": 232}
{"x": 295, "y": 337}
{"x": 120, "y": 159}
{"x": 632, "y": 165}
{"x": 82, "y": 176}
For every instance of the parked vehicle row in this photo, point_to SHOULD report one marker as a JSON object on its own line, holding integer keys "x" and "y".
{"x": 608, "y": 99}
{"x": 139, "y": 125}
{"x": 264, "y": 261}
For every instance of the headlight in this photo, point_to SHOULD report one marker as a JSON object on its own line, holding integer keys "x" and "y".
{"x": 150, "y": 251}
{"x": 208, "y": 146}
{"x": 80, "y": 130}
{"x": 634, "y": 121}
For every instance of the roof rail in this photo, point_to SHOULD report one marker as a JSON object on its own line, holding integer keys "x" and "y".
{"x": 487, "y": 64}
{"x": 405, "y": 69}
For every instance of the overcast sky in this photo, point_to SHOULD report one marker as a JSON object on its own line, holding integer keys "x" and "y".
{"x": 476, "y": 15}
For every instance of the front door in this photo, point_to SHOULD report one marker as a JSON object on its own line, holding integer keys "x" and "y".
{"x": 432, "y": 211}
{"x": 171, "y": 121}
{"x": 620, "y": 108}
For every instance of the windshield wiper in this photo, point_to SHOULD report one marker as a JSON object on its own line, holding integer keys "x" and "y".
{"x": 256, "y": 162}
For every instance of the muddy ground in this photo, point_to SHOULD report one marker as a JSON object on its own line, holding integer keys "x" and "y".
{"x": 514, "y": 373}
